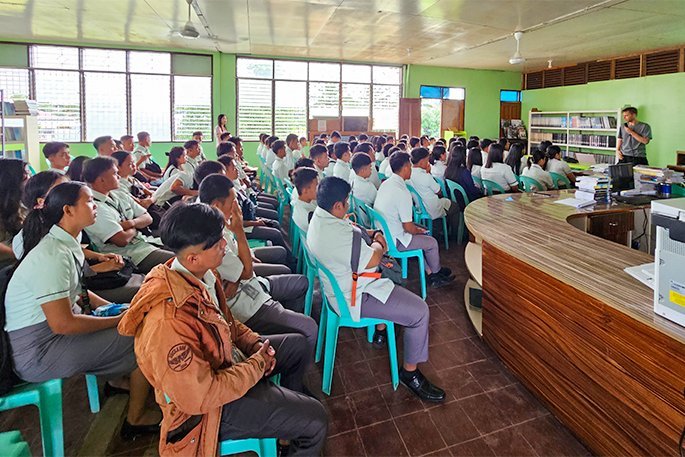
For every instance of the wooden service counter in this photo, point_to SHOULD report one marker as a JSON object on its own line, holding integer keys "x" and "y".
{"x": 577, "y": 330}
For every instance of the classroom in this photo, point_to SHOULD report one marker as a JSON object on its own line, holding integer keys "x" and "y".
{"x": 342, "y": 228}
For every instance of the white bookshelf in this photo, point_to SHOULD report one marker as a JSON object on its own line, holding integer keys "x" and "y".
{"x": 20, "y": 138}
{"x": 588, "y": 132}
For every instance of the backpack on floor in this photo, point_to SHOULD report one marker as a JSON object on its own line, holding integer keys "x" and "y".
{"x": 8, "y": 379}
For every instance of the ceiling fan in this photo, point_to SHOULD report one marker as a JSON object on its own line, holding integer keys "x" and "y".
{"x": 517, "y": 58}
{"x": 188, "y": 30}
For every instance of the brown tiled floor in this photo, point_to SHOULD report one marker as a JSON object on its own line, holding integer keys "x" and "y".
{"x": 487, "y": 412}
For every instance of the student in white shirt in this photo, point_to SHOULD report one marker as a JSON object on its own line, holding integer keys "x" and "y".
{"x": 58, "y": 156}
{"x": 193, "y": 151}
{"x": 331, "y": 160}
{"x": 127, "y": 143}
{"x": 536, "y": 170}
{"x": 117, "y": 227}
{"x": 384, "y": 167}
{"x": 319, "y": 154}
{"x": 438, "y": 162}
{"x": 394, "y": 202}
{"x": 378, "y": 298}
{"x": 515, "y": 159}
{"x": 362, "y": 187}
{"x": 367, "y": 148}
{"x": 428, "y": 189}
{"x": 335, "y": 137}
{"x": 270, "y": 155}
{"x": 292, "y": 153}
{"x": 261, "y": 151}
{"x": 104, "y": 145}
{"x": 143, "y": 156}
{"x": 177, "y": 158}
{"x": 497, "y": 171}
{"x": 306, "y": 182}
{"x": 50, "y": 332}
{"x": 280, "y": 167}
{"x": 198, "y": 136}
{"x": 474, "y": 162}
{"x": 485, "y": 144}
{"x": 557, "y": 165}
{"x": 342, "y": 164}
{"x": 128, "y": 183}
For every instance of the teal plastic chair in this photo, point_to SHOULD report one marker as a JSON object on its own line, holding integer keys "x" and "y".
{"x": 382, "y": 176}
{"x": 421, "y": 215}
{"x": 379, "y": 222}
{"x": 309, "y": 270}
{"x": 283, "y": 198}
{"x": 491, "y": 186}
{"x": 530, "y": 184}
{"x": 13, "y": 445}
{"x": 332, "y": 322}
{"x": 361, "y": 211}
{"x": 443, "y": 186}
{"x": 256, "y": 243}
{"x": 453, "y": 189}
{"x": 479, "y": 183}
{"x": 263, "y": 447}
{"x": 560, "y": 181}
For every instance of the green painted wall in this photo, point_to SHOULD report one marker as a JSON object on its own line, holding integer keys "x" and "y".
{"x": 658, "y": 99}
{"x": 481, "y": 104}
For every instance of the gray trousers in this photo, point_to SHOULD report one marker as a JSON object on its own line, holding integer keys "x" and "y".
{"x": 408, "y": 310}
{"x": 155, "y": 258}
{"x": 430, "y": 248}
{"x": 271, "y": 411}
{"x": 266, "y": 213}
{"x": 289, "y": 290}
{"x": 272, "y": 261}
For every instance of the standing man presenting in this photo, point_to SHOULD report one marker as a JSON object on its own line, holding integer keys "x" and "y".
{"x": 633, "y": 135}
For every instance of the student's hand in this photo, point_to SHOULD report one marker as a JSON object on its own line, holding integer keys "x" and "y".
{"x": 104, "y": 257}
{"x": 145, "y": 202}
{"x": 619, "y": 155}
{"x": 235, "y": 221}
{"x": 259, "y": 223}
{"x": 255, "y": 259}
{"x": 269, "y": 355}
{"x": 125, "y": 225}
{"x": 108, "y": 265}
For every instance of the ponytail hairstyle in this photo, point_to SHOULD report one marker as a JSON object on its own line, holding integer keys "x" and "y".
{"x": 37, "y": 187}
{"x": 41, "y": 218}
{"x": 174, "y": 154}
{"x": 11, "y": 180}
{"x": 120, "y": 157}
{"x": 75, "y": 171}
{"x": 538, "y": 155}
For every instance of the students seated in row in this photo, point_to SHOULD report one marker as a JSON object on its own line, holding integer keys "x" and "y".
{"x": 474, "y": 162}
{"x": 306, "y": 182}
{"x": 270, "y": 154}
{"x": 104, "y": 145}
{"x": 385, "y": 168}
{"x": 128, "y": 183}
{"x": 342, "y": 157}
{"x": 556, "y": 165}
{"x": 485, "y": 149}
{"x": 536, "y": 170}
{"x": 331, "y": 160}
{"x": 292, "y": 152}
{"x": 497, "y": 171}
{"x": 362, "y": 187}
{"x": 394, "y": 202}
{"x": 120, "y": 219}
{"x": 428, "y": 189}
{"x": 367, "y": 148}
{"x": 256, "y": 301}
{"x": 319, "y": 155}
{"x": 457, "y": 171}
{"x": 193, "y": 151}
{"x": 145, "y": 164}
{"x": 378, "y": 298}
{"x": 280, "y": 167}
{"x": 127, "y": 143}
{"x": 50, "y": 333}
{"x": 212, "y": 371}
{"x": 515, "y": 159}
{"x": 13, "y": 176}
{"x": 438, "y": 161}
{"x": 57, "y": 154}
{"x": 177, "y": 158}
{"x": 179, "y": 184}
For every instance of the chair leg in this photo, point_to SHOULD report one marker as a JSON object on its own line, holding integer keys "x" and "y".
{"x": 93, "y": 394}
{"x": 445, "y": 232}
{"x": 404, "y": 268}
{"x": 392, "y": 352}
{"x": 50, "y": 410}
{"x": 329, "y": 352}
{"x": 369, "y": 333}
{"x": 322, "y": 331}
{"x": 422, "y": 275}
{"x": 267, "y": 447}
{"x": 309, "y": 297}
{"x": 460, "y": 229}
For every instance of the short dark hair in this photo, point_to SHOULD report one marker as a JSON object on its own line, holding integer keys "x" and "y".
{"x": 335, "y": 134}
{"x": 276, "y": 145}
{"x": 197, "y": 133}
{"x": 363, "y": 137}
{"x": 290, "y": 137}
{"x": 332, "y": 190}
{"x": 360, "y": 160}
{"x": 340, "y": 148}
{"x": 215, "y": 187}
{"x": 120, "y": 156}
{"x": 53, "y": 147}
{"x": 552, "y": 151}
{"x": 95, "y": 167}
{"x": 484, "y": 143}
{"x": 317, "y": 150}
{"x": 206, "y": 168}
{"x": 398, "y": 160}
{"x": 125, "y": 138}
{"x": 235, "y": 140}
{"x": 142, "y": 135}
{"x": 190, "y": 144}
{"x": 630, "y": 109}
{"x": 194, "y": 224}
{"x": 224, "y": 149}
{"x": 225, "y": 136}
{"x": 304, "y": 176}
{"x": 418, "y": 154}
{"x": 413, "y": 141}
{"x": 304, "y": 162}
{"x": 472, "y": 144}
{"x": 225, "y": 160}
{"x": 269, "y": 141}
{"x": 99, "y": 141}
{"x": 437, "y": 152}
{"x": 365, "y": 147}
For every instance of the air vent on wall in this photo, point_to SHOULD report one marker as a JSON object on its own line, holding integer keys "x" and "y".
{"x": 661, "y": 63}
{"x": 599, "y": 71}
{"x": 553, "y": 78}
{"x": 575, "y": 75}
{"x": 627, "y": 68}
{"x": 534, "y": 80}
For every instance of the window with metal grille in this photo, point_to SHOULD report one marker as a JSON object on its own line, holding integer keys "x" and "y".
{"x": 299, "y": 91}
{"x": 151, "y": 105}
{"x": 105, "y": 104}
{"x": 192, "y": 106}
{"x": 15, "y": 82}
{"x": 59, "y": 105}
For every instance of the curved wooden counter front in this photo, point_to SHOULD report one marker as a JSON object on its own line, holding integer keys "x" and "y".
{"x": 579, "y": 331}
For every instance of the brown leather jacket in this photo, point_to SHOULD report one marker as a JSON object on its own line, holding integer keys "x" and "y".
{"x": 183, "y": 346}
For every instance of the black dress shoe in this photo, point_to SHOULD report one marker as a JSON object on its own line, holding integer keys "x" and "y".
{"x": 380, "y": 339}
{"x": 110, "y": 390}
{"x": 445, "y": 272}
{"x": 282, "y": 449}
{"x": 130, "y": 432}
{"x": 422, "y": 387}
{"x": 436, "y": 281}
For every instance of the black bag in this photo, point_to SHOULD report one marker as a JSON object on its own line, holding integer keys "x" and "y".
{"x": 389, "y": 267}
{"x": 8, "y": 378}
{"x": 249, "y": 209}
{"x": 153, "y": 166}
{"x": 108, "y": 280}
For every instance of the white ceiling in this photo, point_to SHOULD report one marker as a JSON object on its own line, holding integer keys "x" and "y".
{"x": 460, "y": 33}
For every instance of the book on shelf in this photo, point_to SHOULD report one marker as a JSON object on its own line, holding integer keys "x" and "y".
{"x": 602, "y": 141}
{"x": 8, "y": 108}
{"x": 13, "y": 134}
{"x": 26, "y": 107}
{"x": 549, "y": 121}
{"x": 593, "y": 122}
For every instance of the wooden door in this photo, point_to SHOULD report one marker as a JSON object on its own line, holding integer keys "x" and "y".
{"x": 452, "y": 116}
{"x": 410, "y": 116}
{"x": 508, "y": 110}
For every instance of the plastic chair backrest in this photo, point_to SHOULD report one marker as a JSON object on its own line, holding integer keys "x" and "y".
{"x": 418, "y": 203}
{"x": 453, "y": 186}
{"x": 443, "y": 186}
{"x": 478, "y": 182}
{"x": 491, "y": 186}
{"x": 359, "y": 205}
{"x": 378, "y": 221}
{"x": 337, "y": 291}
{"x": 530, "y": 184}
{"x": 560, "y": 179}
{"x": 382, "y": 176}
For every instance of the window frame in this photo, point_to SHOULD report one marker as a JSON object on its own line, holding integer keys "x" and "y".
{"x": 129, "y": 116}
{"x": 518, "y": 98}
{"x": 340, "y": 83}
{"x": 444, "y": 92}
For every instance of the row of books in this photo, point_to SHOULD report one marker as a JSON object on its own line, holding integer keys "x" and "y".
{"x": 8, "y": 108}
{"x": 536, "y": 137}
{"x": 14, "y": 134}
{"x": 549, "y": 121}
{"x": 602, "y": 141}
{"x": 592, "y": 188}
{"x": 580, "y": 122}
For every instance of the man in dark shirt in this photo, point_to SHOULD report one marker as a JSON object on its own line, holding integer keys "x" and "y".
{"x": 633, "y": 135}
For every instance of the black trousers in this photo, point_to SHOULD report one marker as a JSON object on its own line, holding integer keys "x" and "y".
{"x": 271, "y": 411}
{"x": 635, "y": 160}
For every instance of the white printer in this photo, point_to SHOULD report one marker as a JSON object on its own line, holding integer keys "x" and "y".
{"x": 669, "y": 259}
